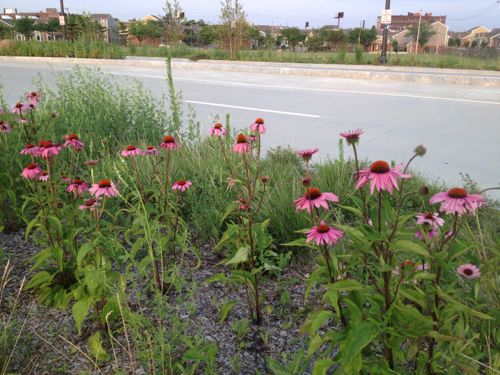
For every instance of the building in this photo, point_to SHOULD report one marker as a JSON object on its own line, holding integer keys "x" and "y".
{"x": 109, "y": 25}
{"x": 494, "y": 37}
{"x": 436, "y": 42}
{"x": 402, "y": 22}
{"x": 106, "y": 21}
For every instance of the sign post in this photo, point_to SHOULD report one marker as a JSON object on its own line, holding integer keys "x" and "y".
{"x": 385, "y": 35}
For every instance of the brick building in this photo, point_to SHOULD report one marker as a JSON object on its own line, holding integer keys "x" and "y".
{"x": 402, "y": 22}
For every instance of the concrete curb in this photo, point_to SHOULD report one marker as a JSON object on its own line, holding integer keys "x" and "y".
{"x": 364, "y": 72}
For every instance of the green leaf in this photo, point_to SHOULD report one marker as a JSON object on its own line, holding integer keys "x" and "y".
{"x": 80, "y": 310}
{"x": 321, "y": 366}
{"x": 215, "y": 278}
{"x": 463, "y": 307}
{"x": 96, "y": 349}
{"x": 226, "y": 309}
{"x": 56, "y": 223}
{"x": 358, "y": 338}
{"x": 411, "y": 247}
{"x": 82, "y": 253}
{"x": 346, "y": 285}
{"x": 354, "y": 210}
{"x": 319, "y": 320}
{"x": 241, "y": 256}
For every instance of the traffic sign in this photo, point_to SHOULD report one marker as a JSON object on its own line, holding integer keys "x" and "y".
{"x": 61, "y": 21}
{"x": 385, "y": 19}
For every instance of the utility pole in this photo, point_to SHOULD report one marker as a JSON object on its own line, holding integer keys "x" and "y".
{"x": 418, "y": 31}
{"x": 385, "y": 36}
{"x": 64, "y": 19}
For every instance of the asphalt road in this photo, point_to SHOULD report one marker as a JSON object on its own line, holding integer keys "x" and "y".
{"x": 460, "y": 126}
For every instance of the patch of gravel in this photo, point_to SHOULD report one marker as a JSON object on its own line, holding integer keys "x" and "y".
{"x": 49, "y": 344}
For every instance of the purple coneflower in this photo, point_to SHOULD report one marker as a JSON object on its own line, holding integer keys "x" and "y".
{"x": 458, "y": 201}
{"x": 258, "y": 126}
{"x": 73, "y": 141}
{"x": 89, "y": 204}
{"x": 308, "y": 153}
{"x": 131, "y": 151}
{"x": 32, "y": 171}
{"x": 47, "y": 149}
{"x": 150, "y": 150}
{"x": 181, "y": 185}
{"x": 78, "y": 187}
{"x": 217, "y": 130}
{"x": 352, "y": 136}
{"x": 242, "y": 146}
{"x": 33, "y": 98}
{"x": 381, "y": 177}
{"x": 44, "y": 176}
{"x": 169, "y": 143}
{"x": 104, "y": 187}
{"x": 431, "y": 219}
{"x": 19, "y": 108}
{"x": 5, "y": 127}
{"x": 323, "y": 234}
{"x": 313, "y": 197}
{"x": 469, "y": 271}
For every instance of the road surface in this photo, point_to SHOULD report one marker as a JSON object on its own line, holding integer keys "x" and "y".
{"x": 459, "y": 125}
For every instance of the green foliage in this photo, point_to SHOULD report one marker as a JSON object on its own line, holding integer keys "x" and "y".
{"x": 25, "y": 26}
{"x": 364, "y": 37}
{"x": 144, "y": 30}
{"x": 424, "y": 33}
{"x": 293, "y": 36}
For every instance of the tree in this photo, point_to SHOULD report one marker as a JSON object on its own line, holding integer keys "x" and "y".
{"x": 315, "y": 43}
{"x": 6, "y": 32}
{"x": 362, "y": 36}
{"x": 25, "y": 26}
{"x": 84, "y": 26}
{"x": 233, "y": 28}
{"x": 51, "y": 27}
{"x": 395, "y": 45}
{"x": 123, "y": 32}
{"x": 424, "y": 35}
{"x": 172, "y": 22}
{"x": 143, "y": 30}
{"x": 208, "y": 35}
{"x": 294, "y": 36}
{"x": 332, "y": 38}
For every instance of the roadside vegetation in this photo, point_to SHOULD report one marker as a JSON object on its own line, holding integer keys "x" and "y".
{"x": 133, "y": 243}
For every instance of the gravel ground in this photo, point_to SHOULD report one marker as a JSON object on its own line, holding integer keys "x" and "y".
{"x": 49, "y": 344}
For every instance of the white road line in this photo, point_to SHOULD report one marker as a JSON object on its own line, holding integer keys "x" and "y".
{"x": 252, "y": 109}
{"x": 355, "y": 92}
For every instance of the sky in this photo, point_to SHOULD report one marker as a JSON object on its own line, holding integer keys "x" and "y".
{"x": 461, "y": 14}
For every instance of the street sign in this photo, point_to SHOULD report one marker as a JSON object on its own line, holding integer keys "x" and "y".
{"x": 385, "y": 19}
{"x": 61, "y": 21}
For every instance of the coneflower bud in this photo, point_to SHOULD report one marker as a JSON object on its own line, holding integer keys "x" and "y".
{"x": 424, "y": 190}
{"x": 420, "y": 150}
{"x": 264, "y": 179}
{"x": 306, "y": 181}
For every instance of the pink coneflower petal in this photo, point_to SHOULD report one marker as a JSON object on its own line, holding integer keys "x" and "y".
{"x": 104, "y": 187}
{"x": 381, "y": 177}
{"x": 73, "y": 141}
{"x": 169, "y": 143}
{"x": 242, "y": 146}
{"x": 433, "y": 233}
{"x": 308, "y": 153}
{"x": 258, "y": 126}
{"x": 469, "y": 271}
{"x": 324, "y": 235}
{"x": 32, "y": 171}
{"x": 352, "y": 136}
{"x": 30, "y": 149}
{"x": 217, "y": 130}
{"x": 131, "y": 151}
{"x": 181, "y": 185}
{"x": 458, "y": 201}
{"x": 314, "y": 198}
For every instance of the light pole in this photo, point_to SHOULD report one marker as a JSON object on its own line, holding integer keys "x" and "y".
{"x": 385, "y": 36}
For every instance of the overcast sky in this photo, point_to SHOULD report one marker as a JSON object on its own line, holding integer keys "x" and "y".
{"x": 462, "y": 14}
